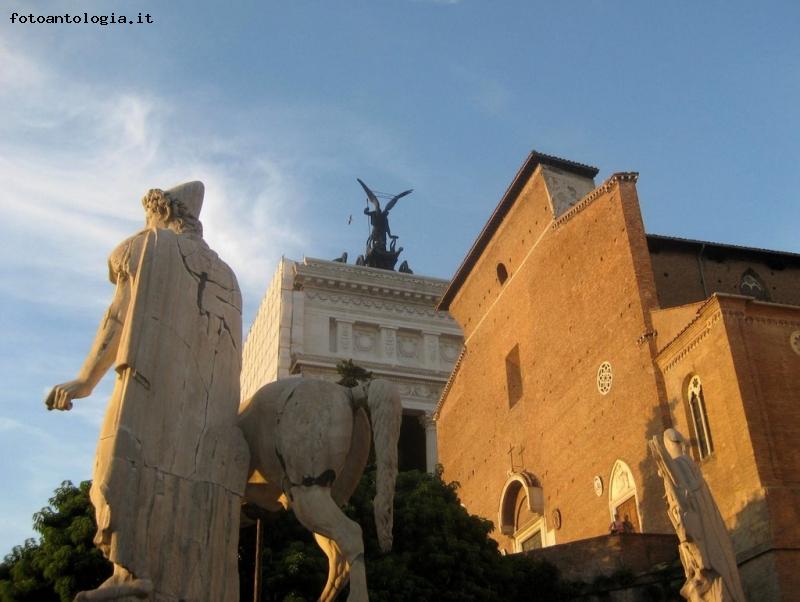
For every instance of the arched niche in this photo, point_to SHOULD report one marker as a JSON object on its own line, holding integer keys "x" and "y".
{"x": 622, "y": 495}
{"x": 518, "y": 484}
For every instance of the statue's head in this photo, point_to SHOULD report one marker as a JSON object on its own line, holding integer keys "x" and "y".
{"x": 674, "y": 442}
{"x": 177, "y": 208}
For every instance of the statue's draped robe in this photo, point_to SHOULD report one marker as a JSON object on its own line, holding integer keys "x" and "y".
{"x": 705, "y": 546}
{"x": 171, "y": 463}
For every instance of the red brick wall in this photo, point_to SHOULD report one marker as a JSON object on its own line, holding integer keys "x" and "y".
{"x": 582, "y": 296}
{"x": 741, "y": 351}
{"x": 678, "y": 275}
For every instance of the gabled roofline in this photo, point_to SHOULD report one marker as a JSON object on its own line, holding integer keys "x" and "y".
{"x": 533, "y": 160}
{"x": 688, "y": 242}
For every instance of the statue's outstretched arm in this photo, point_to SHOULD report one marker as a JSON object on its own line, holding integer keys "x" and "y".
{"x": 100, "y": 358}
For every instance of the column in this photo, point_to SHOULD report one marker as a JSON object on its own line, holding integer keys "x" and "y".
{"x": 431, "y": 450}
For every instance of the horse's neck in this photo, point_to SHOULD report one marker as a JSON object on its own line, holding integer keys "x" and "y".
{"x": 358, "y": 396}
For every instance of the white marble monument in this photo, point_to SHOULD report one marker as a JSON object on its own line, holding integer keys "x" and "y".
{"x": 316, "y": 313}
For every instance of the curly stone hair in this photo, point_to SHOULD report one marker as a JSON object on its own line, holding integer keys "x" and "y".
{"x": 172, "y": 211}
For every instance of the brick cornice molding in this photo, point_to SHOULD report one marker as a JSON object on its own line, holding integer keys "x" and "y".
{"x": 732, "y": 307}
{"x": 689, "y": 338}
{"x": 609, "y": 184}
{"x": 449, "y": 384}
{"x": 773, "y": 321}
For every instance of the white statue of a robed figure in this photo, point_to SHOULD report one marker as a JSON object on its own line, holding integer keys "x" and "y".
{"x": 171, "y": 462}
{"x": 705, "y": 547}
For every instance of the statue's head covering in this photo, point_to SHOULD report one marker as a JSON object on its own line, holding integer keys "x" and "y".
{"x": 673, "y": 441}
{"x": 190, "y": 194}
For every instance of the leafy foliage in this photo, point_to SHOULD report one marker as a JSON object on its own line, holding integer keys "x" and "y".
{"x": 64, "y": 561}
{"x": 293, "y": 567}
{"x": 440, "y": 552}
{"x": 352, "y": 374}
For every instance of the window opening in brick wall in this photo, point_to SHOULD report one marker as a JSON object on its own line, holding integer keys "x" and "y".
{"x": 502, "y": 273}
{"x": 697, "y": 410}
{"x": 521, "y": 512}
{"x": 513, "y": 376}
{"x": 751, "y": 285}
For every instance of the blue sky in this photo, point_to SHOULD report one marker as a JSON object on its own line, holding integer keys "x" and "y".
{"x": 279, "y": 106}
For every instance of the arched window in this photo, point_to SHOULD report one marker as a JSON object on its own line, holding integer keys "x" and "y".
{"x": 697, "y": 410}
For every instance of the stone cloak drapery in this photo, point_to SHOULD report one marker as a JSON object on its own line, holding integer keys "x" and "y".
{"x": 171, "y": 463}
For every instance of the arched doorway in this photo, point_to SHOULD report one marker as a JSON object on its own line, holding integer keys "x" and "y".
{"x": 521, "y": 514}
{"x": 622, "y": 496}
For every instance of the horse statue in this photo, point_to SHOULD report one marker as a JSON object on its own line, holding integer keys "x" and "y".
{"x": 309, "y": 443}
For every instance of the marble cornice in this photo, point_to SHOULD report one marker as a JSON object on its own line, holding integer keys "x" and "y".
{"x": 398, "y": 372}
{"x": 365, "y": 299}
{"x": 338, "y": 276}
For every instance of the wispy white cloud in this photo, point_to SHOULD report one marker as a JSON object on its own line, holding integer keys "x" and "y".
{"x": 75, "y": 158}
{"x": 486, "y": 93}
{"x": 77, "y": 199}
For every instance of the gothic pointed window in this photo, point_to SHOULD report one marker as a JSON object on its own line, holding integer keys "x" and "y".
{"x": 699, "y": 416}
{"x": 751, "y": 285}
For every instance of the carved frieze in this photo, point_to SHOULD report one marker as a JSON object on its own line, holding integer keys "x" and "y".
{"x": 419, "y": 390}
{"x": 448, "y": 351}
{"x": 378, "y": 304}
{"x": 408, "y": 345}
{"x": 364, "y": 338}
{"x": 389, "y": 340}
{"x": 344, "y": 336}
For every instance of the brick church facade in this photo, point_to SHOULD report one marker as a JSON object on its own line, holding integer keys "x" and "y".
{"x": 585, "y": 336}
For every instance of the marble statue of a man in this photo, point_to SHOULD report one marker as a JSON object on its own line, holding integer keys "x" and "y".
{"x": 705, "y": 546}
{"x": 171, "y": 463}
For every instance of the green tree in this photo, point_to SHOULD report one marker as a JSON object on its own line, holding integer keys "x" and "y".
{"x": 64, "y": 560}
{"x": 352, "y": 374}
{"x": 440, "y": 551}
